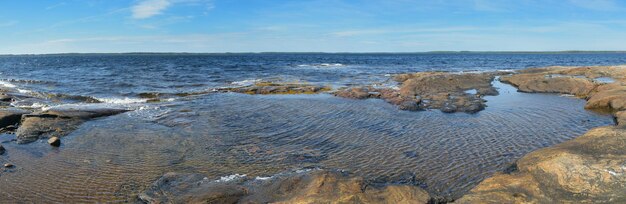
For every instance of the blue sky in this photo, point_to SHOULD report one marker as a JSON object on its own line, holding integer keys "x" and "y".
{"x": 35, "y": 27}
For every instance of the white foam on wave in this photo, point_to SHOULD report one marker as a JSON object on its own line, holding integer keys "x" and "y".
{"x": 322, "y": 65}
{"x": 125, "y": 100}
{"x": 231, "y": 177}
{"x": 247, "y": 82}
{"x": 506, "y": 70}
{"x": 24, "y": 91}
{"x": 7, "y": 84}
{"x": 33, "y": 105}
{"x": 261, "y": 178}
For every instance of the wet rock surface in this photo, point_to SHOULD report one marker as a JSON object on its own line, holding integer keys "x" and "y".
{"x": 545, "y": 83}
{"x": 58, "y": 122}
{"x": 54, "y": 141}
{"x": 608, "y": 97}
{"x": 11, "y": 117}
{"x": 267, "y": 88}
{"x": 448, "y": 92}
{"x": 309, "y": 186}
{"x": 620, "y": 119}
{"x": 588, "y": 169}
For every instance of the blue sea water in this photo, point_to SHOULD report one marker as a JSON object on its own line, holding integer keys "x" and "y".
{"x": 126, "y": 75}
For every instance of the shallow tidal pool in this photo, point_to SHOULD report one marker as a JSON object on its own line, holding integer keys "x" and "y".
{"x": 115, "y": 158}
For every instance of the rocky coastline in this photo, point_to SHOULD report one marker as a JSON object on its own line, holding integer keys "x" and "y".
{"x": 587, "y": 169}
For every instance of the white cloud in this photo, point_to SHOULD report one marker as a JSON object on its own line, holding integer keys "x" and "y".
{"x": 148, "y": 8}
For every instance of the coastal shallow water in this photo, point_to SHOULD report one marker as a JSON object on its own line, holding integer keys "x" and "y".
{"x": 115, "y": 158}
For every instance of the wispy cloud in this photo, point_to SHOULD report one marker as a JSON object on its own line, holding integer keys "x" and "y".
{"x": 148, "y": 8}
{"x": 599, "y": 5}
{"x": 55, "y": 6}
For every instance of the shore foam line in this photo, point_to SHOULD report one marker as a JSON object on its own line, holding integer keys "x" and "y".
{"x": 122, "y": 100}
{"x": 7, "y": 84}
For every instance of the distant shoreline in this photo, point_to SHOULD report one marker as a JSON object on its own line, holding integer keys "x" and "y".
{"x": 329, "y": 53}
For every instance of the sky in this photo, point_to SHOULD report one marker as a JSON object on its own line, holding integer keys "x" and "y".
{"x": 111, "y": 26}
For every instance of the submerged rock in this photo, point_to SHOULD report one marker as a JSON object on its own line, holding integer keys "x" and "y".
{"x": 315, "y": 186}
{"x": 58, "y": 121}
{"x": 2, "y": 150}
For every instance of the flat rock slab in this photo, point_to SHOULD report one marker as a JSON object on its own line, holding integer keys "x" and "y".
{"x": 577, "y": 81}
{"x": 588, "y": 169}
{"x": 59, "y": 121}
{"x": 543, "y": 83}
{"x": 610, "y": 97}
{"x": 315, "y": 186}
{"x": 448, "y": 92}
{"x": 267, "y": 88}
{"x": 86, "y": 112}
{"x": 11, "y": 116}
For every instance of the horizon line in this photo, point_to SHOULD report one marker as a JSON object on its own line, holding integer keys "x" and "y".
{"x": 273, "y": 52}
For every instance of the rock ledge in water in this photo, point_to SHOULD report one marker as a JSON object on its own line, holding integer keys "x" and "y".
{"x": 316, "y": 186}
{"x": 10, "y": 117}
{"x": 266, "y": 88}
{"x": 587, "y": 169}
{"x": 448, "y": 92}
{"x": 58, "y": 122}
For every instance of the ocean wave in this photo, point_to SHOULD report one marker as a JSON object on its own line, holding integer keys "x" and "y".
{"x": 322, "y": 65}
{"x": 24, "y": 91}
{"x": 7, "y": 84}
{"x": 247, "y": 82}
{"x": 506, "y": 70}
{"x": 28, "y": 81}
{"x": 125, "y": 100}
{"x": 30, "y": 105}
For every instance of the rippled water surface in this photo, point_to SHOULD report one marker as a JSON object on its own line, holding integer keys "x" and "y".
{"x": 114, "y": 158}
